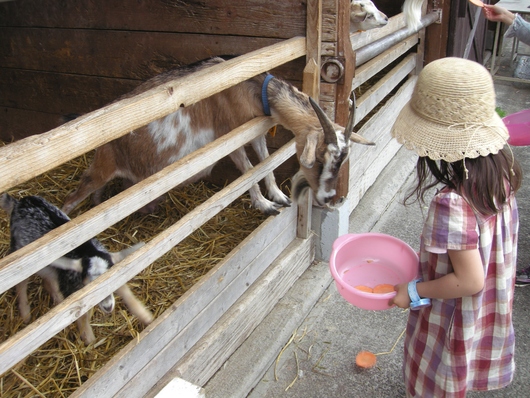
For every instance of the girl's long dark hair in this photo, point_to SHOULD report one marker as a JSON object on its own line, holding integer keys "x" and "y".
{"x": 484, "y": 188}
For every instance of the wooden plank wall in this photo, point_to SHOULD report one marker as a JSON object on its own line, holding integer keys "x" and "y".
{"x": 60, "y": 57}
{"x": 461, "y": 23}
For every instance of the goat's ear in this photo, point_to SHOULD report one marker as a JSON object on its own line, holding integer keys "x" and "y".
{"x": 308, "y": 157}
{"x": 68, "y": 264}
{"x": 118, "y": 256}
{"x": 357, "y": 14}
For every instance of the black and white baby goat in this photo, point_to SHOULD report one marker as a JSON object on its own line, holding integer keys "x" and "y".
{"x": 31, "y": 218}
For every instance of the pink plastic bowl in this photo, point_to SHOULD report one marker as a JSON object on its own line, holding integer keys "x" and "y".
{"x": 371, "y": 259}
{"x": 518, "y": 125}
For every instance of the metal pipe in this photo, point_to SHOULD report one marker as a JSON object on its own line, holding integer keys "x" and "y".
{"x": 366, "y": 53}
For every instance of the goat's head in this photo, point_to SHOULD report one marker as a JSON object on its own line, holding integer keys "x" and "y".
{"x": 92, "y": 266}
{"x": 96, "y": 266}
{"x": 364, "y": 15}
{"x": 321, "y": 153}
{"x": 88, "y": 269}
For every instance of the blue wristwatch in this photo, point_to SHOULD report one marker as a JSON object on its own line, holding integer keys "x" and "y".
{"x": 415, "y": 301}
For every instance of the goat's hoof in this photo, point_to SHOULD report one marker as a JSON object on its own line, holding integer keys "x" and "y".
{"x": 272, "y": 210}
{"x": 26, "y": 318}
{"x": 88, "y": 337}
{"x": 146, "y": 318}
{"x": 107, "y": 305}
{"x": 286, "y": 202}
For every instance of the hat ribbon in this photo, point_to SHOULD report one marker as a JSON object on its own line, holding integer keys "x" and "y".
{"x": 468, "y": 126}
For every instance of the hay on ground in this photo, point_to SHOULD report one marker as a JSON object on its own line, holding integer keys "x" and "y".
{"x": 63, "y": 363}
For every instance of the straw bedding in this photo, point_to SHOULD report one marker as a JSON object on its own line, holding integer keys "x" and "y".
{"x": 62, "y": 364}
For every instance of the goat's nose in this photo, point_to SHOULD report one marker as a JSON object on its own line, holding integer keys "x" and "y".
{"x": 321, "y": 202}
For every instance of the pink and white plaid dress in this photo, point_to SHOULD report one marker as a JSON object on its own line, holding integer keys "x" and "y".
{"x": 467, "y": 343}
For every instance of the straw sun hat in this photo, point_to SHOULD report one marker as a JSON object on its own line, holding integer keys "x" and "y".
{"x": 451, "y": 114}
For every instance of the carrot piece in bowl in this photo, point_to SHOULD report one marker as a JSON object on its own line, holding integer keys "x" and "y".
{"x": 363, "y": 288}
{"x": 384, "y": 288}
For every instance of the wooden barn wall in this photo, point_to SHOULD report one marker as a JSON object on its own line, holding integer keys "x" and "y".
{"x": 463, "y": 32}
{"x": 60, "y": 57}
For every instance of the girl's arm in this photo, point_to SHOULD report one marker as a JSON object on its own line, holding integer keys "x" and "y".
{"x": 466, "y": 279}
{"x": 518, "y": 27}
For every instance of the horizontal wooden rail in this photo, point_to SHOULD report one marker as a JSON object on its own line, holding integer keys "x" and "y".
{"x": 34, "y": 155}
{"x": 30, "y": 338}
{"x": 172, "y": 333}
{"x": 384, "y": 87}
{"x": 376, "y": 64}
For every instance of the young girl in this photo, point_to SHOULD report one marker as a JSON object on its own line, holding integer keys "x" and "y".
{"x": 459, "y": 334}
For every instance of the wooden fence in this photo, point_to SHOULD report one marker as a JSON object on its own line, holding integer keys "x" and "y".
{"x": 203, "y": 327}
{"x": 34, "y": 155}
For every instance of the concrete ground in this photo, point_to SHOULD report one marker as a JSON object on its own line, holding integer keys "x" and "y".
{"x": 321, "y": 333}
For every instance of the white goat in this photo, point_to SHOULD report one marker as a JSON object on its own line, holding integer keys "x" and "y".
{"x": 412, "y": 11}
{"x": 321, "y": 145}
{"x": 31, "y": 218}
{"x": 364, "y": 15}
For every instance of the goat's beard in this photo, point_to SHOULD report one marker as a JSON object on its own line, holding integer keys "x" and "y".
{"x": 300, "y": 187}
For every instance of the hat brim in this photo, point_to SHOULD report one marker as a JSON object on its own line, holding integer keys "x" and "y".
{"x": 449, "y": 142}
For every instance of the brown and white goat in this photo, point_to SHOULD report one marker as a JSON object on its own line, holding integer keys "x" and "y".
{"x": 32, "y": 217}
{"x": 364, "y": 15}
{"x": 321, "y": 145}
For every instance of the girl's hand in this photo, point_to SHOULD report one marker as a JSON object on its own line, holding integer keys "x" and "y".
{"x": 401, "y": 299}
{"x": 498, "y": 14}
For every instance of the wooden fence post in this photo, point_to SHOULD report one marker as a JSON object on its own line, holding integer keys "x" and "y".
{"x": 338, "y": 69}
{"x": 344, "y": 86}
{"x": 311, "y": 86}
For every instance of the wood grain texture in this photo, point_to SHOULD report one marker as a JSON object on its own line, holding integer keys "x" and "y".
{"x": 114, "y": 54}
{"x": 23, "y": 343}
{"x": 173, "y": 327}
{"x": 34, "y": 155}
{"x": 74, "y": 48}
{"x": 366, "y": 163}
{"x": 280, "y": 19}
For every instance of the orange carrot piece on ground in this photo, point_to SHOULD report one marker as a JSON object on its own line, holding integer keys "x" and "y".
{"x": 365, "y": 359}
{"x": 363, "y": 288}
{"x": 384, "y": 288}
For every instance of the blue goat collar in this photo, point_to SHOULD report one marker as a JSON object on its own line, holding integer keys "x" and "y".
{"x": 264, "y": 96}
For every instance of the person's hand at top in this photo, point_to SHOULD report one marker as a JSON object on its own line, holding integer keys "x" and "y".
{"x": 498, "y": 14}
